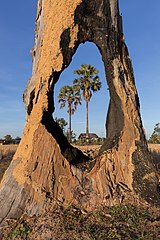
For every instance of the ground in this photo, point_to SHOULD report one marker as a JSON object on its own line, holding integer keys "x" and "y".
{"x": 122, "y": 222}
{"x": 141, "y": 222}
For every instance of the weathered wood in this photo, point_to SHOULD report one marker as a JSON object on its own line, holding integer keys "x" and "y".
{"x": 45, "y": 166}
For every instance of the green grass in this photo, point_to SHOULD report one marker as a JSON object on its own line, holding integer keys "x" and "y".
{"x": 20, "y": 232}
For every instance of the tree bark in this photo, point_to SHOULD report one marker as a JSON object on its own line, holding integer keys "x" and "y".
{"x": 45, "y": 166}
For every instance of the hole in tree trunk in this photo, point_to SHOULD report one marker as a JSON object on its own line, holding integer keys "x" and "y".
{"x": 87, "y": 53}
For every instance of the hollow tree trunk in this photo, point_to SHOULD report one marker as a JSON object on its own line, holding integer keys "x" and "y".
{"x": 45, "y": 166}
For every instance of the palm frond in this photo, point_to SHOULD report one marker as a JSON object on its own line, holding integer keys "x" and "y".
{"x": 70, "y": 95}
{"x": 62, "y": 105}
{"x": 87, "y": 81}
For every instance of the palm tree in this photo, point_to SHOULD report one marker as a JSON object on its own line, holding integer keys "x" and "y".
{"x": 87, "y": 83}
{"x": 70, "y": 96}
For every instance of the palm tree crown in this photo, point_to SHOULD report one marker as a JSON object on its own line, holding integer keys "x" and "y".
{"x": 70, "y": 96}
{"x": 88, "y": 82}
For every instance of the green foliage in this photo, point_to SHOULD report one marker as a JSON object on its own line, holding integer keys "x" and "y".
{"x": 20, "y": 232}
{"x": 129, "y": 214}
{"x": 155, "y": 137}
{"x": 70, "y": 96}
{"x": 8, "y": 138}
{"x": 62, "y": 123}
{"x": 88, "y": 82}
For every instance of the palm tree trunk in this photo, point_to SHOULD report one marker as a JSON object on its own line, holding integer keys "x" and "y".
{"x": 87, "y": 128}
{"x": 70, "y": 127}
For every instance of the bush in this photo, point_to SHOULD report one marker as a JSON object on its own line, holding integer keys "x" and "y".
{"x": 20, "y": 232}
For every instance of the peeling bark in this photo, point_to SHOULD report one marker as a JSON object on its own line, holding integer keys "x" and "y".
{"x": 45, "y": 166}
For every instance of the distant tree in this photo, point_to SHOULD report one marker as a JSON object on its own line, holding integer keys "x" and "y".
{"x": 62, "y": 123}
{"x": 8, "y": 138}
{"x": 155, "y": 137}
{"x": 70, "y": 96}
{"x": 87, "y": 83}
{"x": 17, "y": 137}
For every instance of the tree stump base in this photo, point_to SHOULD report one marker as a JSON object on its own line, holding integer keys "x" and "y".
{"x": 45, "y": 166}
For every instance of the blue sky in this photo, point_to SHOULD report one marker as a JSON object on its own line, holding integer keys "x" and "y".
{"x": 141, "y": 21}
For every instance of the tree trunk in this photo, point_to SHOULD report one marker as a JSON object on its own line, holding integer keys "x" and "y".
{"x": 45, "y": 167}
{"x": 70, "y": 127}
{"x": 87, "y": 126}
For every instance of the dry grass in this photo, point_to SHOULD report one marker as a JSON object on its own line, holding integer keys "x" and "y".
{"x": 6, "y": 154}
{"x": 154, "y": 147}
{"x": 155, "y": 151}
